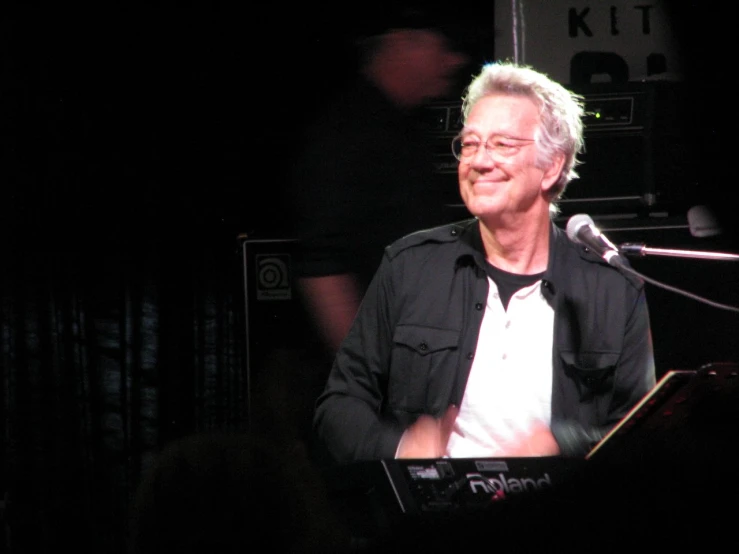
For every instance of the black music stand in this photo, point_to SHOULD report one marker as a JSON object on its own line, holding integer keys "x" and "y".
{"x": 683, "y": 406}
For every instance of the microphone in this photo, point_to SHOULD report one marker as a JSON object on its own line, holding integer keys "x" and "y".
{"x": 582, "y": 230}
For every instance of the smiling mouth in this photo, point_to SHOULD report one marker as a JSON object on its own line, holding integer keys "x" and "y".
{"x": 486, "y": 183}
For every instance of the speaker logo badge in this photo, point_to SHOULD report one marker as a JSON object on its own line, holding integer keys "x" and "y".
{"x": 273, "y": 277}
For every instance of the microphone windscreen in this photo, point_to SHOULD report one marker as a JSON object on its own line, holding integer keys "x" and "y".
{"x": 575, "y": 223}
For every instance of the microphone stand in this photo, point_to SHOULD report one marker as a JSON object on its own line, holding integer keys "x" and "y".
{"x": 639, "y": 249}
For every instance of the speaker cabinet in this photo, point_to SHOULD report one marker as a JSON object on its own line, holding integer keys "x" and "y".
{"x": 271, "y": 305}
{"x": 636, "y": 156}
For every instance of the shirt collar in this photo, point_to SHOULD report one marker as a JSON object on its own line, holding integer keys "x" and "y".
{"x": 473, "y": 252}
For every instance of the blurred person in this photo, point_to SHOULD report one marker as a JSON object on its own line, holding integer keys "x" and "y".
{"x": 227, "y": 492}
{"x": 364, "y": 175}
{"x": 495, "y": 336}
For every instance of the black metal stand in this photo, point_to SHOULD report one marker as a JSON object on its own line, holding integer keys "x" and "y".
{"x": 639, "y": 249}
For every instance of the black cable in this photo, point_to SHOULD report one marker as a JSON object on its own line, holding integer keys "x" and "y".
{"x": 632, "y": 271}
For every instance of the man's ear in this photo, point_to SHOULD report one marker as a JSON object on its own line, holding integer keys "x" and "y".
{"x": 552, "y": 173}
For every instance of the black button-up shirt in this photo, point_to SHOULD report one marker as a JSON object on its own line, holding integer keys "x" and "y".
{"x": 410, "y": 349}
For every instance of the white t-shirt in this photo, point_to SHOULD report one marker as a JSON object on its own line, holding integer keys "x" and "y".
{"x": 510, "y": 382}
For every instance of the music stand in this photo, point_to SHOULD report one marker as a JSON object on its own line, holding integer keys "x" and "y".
{"x": 681, "y": 401}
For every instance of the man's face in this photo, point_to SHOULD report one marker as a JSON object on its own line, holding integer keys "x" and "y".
{"x": 498, "y": 175}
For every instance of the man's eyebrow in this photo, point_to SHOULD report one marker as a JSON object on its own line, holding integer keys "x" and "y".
{"x": 468, "y": 131}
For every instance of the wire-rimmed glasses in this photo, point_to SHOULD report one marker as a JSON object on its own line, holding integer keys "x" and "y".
{"x": 500, "y": 148}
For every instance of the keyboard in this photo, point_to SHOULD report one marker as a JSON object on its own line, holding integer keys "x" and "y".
{"x": 425, "y": 486}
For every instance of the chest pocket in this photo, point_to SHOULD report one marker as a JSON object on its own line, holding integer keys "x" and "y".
{"x": 422, "y": 367}
{"x": 592, "y": 371}
{"x": 425, "y": 340}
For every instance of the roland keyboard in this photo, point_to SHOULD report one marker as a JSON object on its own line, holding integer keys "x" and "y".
{"x": 452, "y": 484}
{"x": 446, "y": 485}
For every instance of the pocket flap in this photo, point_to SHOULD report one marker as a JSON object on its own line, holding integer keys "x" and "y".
{"x": 590, "y": 361}
{"x": 426, "y": 340}
{"x": 592, "y": 367}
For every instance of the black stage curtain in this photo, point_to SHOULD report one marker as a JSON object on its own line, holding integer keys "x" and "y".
{"x": 128, "y": 170}
{"x": 108, "y": 354}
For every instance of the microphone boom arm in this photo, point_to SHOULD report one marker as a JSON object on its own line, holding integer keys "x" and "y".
{"x": 636, "y": 249}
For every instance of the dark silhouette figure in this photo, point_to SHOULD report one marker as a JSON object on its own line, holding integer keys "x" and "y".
{"x": 222, "y": 492}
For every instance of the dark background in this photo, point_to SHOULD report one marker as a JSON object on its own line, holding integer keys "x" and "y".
{"x": 136, "y": 147}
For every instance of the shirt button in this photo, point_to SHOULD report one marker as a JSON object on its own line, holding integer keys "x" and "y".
{"x": 505, "y": 356}
{"x": 470, "y": 355}
{"x": 496, "y": 295}
{"x": 507, "y": 324}
{"x": 478, "y": 306}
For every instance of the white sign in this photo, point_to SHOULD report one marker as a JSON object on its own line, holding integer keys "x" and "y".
{"x": 597, "y": 41}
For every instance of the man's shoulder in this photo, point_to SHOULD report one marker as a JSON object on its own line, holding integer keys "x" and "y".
{"x": 450, "y": 234}
{"x": 570, "y": 255}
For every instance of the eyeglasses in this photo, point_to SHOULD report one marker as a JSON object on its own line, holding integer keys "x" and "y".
{"x": 500, "y": 148}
